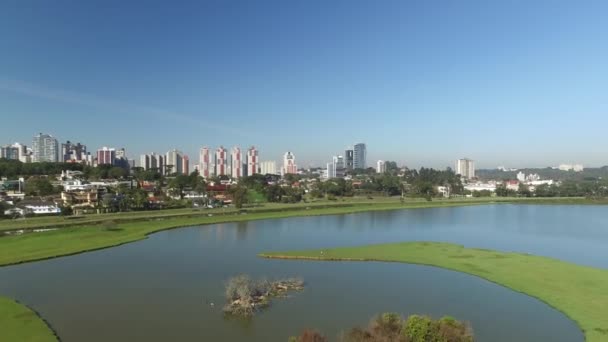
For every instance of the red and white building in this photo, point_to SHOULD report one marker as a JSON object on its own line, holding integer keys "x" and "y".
{"x": 106, "y": 156}
{"x": 289, "y": 163}
{"x": 206, "y": 166}
{"x": 236, "y": 163}
{"x": 221, "y": 161}
{"x": 253, "y": 161}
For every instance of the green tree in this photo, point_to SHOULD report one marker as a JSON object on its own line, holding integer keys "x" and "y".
{"x": 37, "y": 186}
{"x": 239, "y": 195}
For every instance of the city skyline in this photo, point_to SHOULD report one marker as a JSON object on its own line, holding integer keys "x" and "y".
{"x": 421, "y": 84}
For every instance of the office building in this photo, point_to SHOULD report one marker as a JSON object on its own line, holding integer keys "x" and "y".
{"x": 289, "y": 164}
{"x": 348, "y": 159}
{"x": 45, "y": 148}
{"x": 253, "y": 162}
{"x": 268, "y": 167}
{"x": 73, "y": 153}
{"x": 153, "y": 161}
{"x": 9, "y": 152}
{"x": 331, "y": 171}
{"x": 206, "y": 168}
{"x": 221, "y": 161}
{"x": 465, "y": 168}
{"x": 360, "y": 156}
{"x": 381, "y": 166}
{"x": 236, "y": 163}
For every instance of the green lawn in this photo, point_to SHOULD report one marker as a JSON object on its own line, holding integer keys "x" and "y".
{"x": 578, "y": 291}
{"x": 18, "y": 323}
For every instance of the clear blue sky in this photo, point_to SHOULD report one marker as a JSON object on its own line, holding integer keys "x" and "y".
{"x": 515, "y": 83}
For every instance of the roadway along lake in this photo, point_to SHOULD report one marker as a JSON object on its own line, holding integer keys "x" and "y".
{"x": 158, "y": 289}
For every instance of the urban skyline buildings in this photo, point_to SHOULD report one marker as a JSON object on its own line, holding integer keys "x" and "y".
{"x": 380, "y": 166}
{"x": 466, "y": 168}
{"x": 236, "y": 162}
{"x": 252, "y": 161}
{"x": 289, "y": 163}
{"x": 268, "y": 167}
{"x": 360, "y": 156}
{"x": 45, "y": 148}
{"x": 106, "y": 156}
{"x": 221, "y": 162}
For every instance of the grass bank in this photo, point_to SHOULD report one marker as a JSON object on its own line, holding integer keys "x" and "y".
{"x": 19, "y": 323}
{"x": 580, "y": 292}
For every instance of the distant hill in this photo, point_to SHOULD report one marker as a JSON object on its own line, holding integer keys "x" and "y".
{"x": 545, "y": 173}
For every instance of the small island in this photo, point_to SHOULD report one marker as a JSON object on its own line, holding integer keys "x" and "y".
{"x": 245, "y": 296}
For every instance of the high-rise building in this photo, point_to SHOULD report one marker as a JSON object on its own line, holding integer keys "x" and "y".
{"x": 268, "y": 167}
{"x": 221, "y": 161}
{"x": 185, "y": 165}
{"x": 381, "y": 166}
{"x": 9, "y": 152}
{"x": 106, "y": 156}
{"x": 73, "y": 153}
{"x": 348, "y": 159}
{"x": 360, "y": 156}
{"x": 45, "y": 148}
{"x": 465, "y": 168}
{"x": 289, "y": 163}
{"x": 153, "y": 161}
{"x": 173, "y": 162}
{"x": 206, "y": 165}
{"x": 24, "y": 154}
{"x": 331, "y": 171}
{"x": 236, "y": 163}
{"x": 253, "y": 162}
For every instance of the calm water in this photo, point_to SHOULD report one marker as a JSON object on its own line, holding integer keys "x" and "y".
{"x": 157, "y": 289}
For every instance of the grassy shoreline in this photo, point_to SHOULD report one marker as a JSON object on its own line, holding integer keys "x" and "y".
{"x": 21, "y": 323}
{"x": 580, "y": 292}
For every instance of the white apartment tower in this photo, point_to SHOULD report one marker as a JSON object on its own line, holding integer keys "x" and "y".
{"x": 465, "y": 168}
{"x": 381, "y": 166}
{"x": 268, "y": 167}
{"x": 45, "y": 148}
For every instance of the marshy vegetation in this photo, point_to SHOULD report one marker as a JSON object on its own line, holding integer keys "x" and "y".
{"x": 391, "y": 327}
{"x": 245, "y": 296}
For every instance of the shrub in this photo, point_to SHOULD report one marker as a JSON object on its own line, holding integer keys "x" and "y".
{"x": 309, "y": 336}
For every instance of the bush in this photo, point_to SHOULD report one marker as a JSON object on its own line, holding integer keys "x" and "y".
{"x": 391, "y": 327}
{"x": 331, "y": 197}
{"x": 110, "y": 226}
{"x": 309, "y": 336}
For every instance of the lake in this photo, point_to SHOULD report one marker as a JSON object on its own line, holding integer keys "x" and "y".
{"x": 159, "y": 289}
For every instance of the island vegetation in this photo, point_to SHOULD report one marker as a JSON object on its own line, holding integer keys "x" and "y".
{"x": 580, "y": 292}
{"x": 246, "y": 296}
{"x": 391, "y": 327}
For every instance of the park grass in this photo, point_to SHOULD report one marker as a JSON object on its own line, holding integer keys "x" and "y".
{"x": 580, "y": 292}
{"x": 19, "y": 323}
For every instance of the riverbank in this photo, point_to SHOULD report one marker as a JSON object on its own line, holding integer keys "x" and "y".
{"x": 580, "y": 292}
{"x": 20, "y": 323}
{"x": 108, "y": 230}
{"x": 82, "y": 238}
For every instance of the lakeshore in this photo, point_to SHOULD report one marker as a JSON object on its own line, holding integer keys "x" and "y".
{"x": 580, "y": 292}
{"x": 128, "y": 227}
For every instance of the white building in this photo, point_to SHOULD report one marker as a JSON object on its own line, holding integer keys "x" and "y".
{"x": 381, "y": 166}
{"x": 153, "y": 161}
{"x": 268, "y": 167}
{"x": 173, "y": 161}
{"x": 45, "y": 148}
{"x": 573, "y": 167}
{"x": 331, "y": 171}
{"x": 289, "y": 164}
{"x": 465, "y": 168}
{"x": 521, "y": 176}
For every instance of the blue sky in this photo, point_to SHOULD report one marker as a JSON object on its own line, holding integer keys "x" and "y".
{"x": 515, "y": 83}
